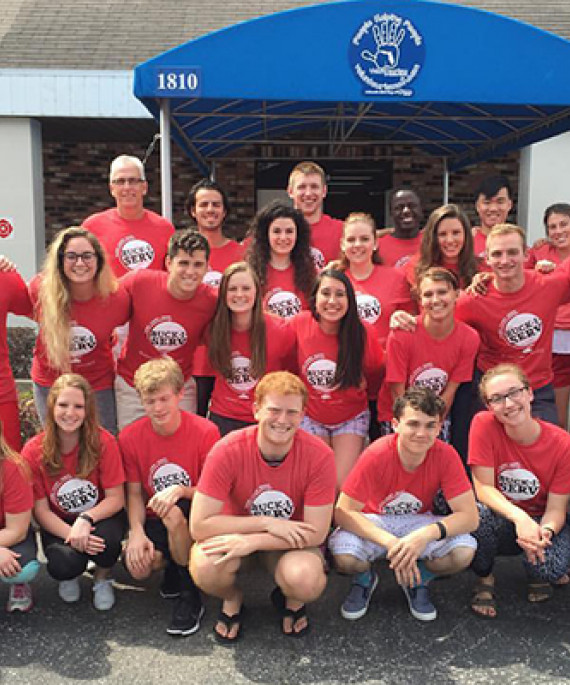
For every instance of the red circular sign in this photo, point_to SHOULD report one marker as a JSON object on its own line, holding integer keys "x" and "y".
{"x": 6, "y": 228}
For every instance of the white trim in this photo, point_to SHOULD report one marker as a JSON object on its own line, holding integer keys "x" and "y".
{"x": 69, "y": 93}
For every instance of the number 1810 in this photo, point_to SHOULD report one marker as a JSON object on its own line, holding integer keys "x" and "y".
{"x": 173, "y": 81}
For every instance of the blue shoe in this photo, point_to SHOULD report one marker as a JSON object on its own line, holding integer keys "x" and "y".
{"x": 356, "y": 603}
{"x": 419, "y": 602}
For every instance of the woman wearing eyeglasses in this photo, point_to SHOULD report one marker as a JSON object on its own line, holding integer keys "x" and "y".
{"x": 521, "y": 474}
{"x": 78, "y": 303}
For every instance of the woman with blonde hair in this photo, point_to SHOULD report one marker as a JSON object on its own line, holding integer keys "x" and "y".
{"x": 78, "y": 303}
{"x": 245, "y": 344}
{"x": 18, "y": 564}
{"x": 78, "y": 487}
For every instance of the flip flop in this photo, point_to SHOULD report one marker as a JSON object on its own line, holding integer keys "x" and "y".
{"x": 229, "y": 622}
{"x": 279, "y": 601}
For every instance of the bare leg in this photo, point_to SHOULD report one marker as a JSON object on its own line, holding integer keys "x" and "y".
{"x": 347, "y": 448}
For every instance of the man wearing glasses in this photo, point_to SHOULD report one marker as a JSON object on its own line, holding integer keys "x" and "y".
{"x": 133, "y": 237}
{"x": 521, "y": 474}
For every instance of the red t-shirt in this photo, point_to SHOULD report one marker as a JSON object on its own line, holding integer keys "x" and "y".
{"x": 235, "y": 473}
{"x": 379, "y": 296}
{"x": 131, "y": 244}
{"x": 68, "y": 495}
{"x": 317, "y": 353}
{"x": 14, "y": 298}
{"x": 16, "y": 495}
{"x": 326, "y": 235}
{"x": 92, "y": 324}
{"x": 547, "y": 251}
{"x": 516, "y": 328}
{"x": 220, "y": 259}
{"x": 412, "y": 263}
{"x": 159, "y": 461}
{"x": 281, "y": 296}
{"x": 480, "y": 247}
{"x": 233, "y": 397}
{"x": 379, "y": 481}
{"x": 161, "y": 325}
{"x": 525, "y": 474}
{"x": 396, "y": 252}
{"x": 415, "y": 358}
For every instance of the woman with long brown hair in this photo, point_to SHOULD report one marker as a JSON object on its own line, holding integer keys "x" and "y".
{"x": 78, "y": 487}
{"x": 245, "y": 344}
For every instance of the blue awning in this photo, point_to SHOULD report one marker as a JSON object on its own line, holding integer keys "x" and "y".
{"x": 453, "y": 81}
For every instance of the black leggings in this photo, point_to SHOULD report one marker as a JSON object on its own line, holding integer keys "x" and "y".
{"x": 204, "y": 389}
{"x": 27, "y": 549}
{"x": 65, "y": 563}
{"x": 497, "y": 536}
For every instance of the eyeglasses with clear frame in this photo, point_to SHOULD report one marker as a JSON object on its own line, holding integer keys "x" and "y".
{"x": 131, "y": 181}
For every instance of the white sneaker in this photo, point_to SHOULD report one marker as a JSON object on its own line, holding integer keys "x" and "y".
{"x": 103, "y": 594}
{"x": 20, "y": 598}
{"x": 70, "y": 590}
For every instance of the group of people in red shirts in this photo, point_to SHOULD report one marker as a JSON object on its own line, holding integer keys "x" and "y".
{"x": 207, "y": 405}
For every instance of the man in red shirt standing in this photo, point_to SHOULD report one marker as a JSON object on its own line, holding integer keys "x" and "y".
{"x": 384, "y": 509}
{"x": 163, "y": 455}
{"x": 267, "y": 489}
{"x": 396, "y": 247}
{"x": 308, "y": 189}
{"x": 493, "y": 202}
{"x": 133, "y": 237}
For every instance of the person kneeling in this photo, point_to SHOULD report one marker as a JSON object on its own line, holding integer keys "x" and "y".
{"x": 164, "y": 453}
{"x": 384, "y": 508}
{"x": 265, "y": 489}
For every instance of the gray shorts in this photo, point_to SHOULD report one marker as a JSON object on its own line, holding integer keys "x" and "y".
{"x": 357, "y": 425}
{"x": 343, "y": 542}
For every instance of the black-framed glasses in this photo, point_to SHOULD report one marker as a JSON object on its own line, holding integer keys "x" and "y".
{"x": 499, "y": 400}
{"x": 72, "y": 257}
{"x": 131, "y": 181}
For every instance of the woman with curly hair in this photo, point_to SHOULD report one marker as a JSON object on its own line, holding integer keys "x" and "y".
{"x": 18, "y": 564}
{"x": 78, "y": 303}
{"x": 78, "y": 487}
{"x": 245, "y": 344}
{"x": 337, "y": 356}
{"x": 280, "y": 255}
{"x": 447, "y": 241}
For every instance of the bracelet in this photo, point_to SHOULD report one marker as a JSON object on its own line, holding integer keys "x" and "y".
{"x": 86, "y": 517}
{"x": 442, "y": 530}
{"x": 550, "y": 529}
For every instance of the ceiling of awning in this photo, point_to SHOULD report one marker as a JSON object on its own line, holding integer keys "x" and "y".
{"x": 451, "y": 81}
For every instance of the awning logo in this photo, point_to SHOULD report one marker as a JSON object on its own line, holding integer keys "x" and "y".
{"x": 387, "y": 53}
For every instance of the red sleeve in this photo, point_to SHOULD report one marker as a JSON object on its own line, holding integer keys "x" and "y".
{"x": 402, "y": 296}
{"x": 217, "y": 477}
{"x": 560, "y": 484}
{"x": 128, "y": 452}
{"x": 17, "y": 495}
{"x": 361, "y": 478}
{"x": 19, "y": 300}
{"x": 481, "y": 441}
{"x": 288, "y": 344}
{"x": 322, "y": 481}
{"x": 111, "y": 464}
{"x": 454, "y": 480}
{"x": 463, "y": 371}
{"x": 531, "y": 258}
{"x": 210, "y": 437}
{"x": 397, "y": 357}
{"x": 32, "y": 452}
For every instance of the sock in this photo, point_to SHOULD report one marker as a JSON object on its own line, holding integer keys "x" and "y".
{"x": 187, "y": 585}
{"x": 426, "y": 574}
{"x": 364, "y": 578}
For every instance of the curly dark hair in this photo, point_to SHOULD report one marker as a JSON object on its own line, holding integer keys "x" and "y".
{"x": 259, "y": 252}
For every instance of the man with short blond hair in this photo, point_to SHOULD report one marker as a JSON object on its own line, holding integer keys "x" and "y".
{"x": 268, "y": 491}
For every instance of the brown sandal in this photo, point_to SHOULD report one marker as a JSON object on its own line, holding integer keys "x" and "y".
{"x": 478, "y": 599}
{"x": 539, "y": 591}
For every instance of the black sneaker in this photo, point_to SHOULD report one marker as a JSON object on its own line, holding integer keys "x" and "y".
{"x": 170, "y": 586}
{"x": 186, "y": 616}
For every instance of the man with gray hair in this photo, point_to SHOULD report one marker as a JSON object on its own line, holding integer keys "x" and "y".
{"x": 133, "y": 237}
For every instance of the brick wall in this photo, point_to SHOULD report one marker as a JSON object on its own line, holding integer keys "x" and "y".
{"x": 76, "y": 178}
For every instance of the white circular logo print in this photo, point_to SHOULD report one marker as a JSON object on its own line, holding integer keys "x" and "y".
{"x": 136, "y": 254}
{"x": 523, "y": 330}
{"x": 320, "y": 374}
{"x": 241, "y": 380}
{"x": 386, "y": 54}
{"x": 518, "y": 484}
{"x": 318, "y": 258}
{"x": 212, "y": 278}
{"x": 167, "y": 336}
{"x": 77, "y": 495}
{"x": 272, "y": 503}
{"x": 169, "y": 474}
{"x": 369, "y": 308}
{"x": 81, "y": 341}
{"x": 403, "y": 503}
{"x": 284, "y": 304}
{"x": 435, "y": 379}
{"x": 401, "y": 263}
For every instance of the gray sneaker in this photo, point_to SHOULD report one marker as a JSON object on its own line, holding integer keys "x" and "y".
{"x": 70, "y": 590}
{"x": 420, "y": 604}
{"x": 356, "y": 603}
